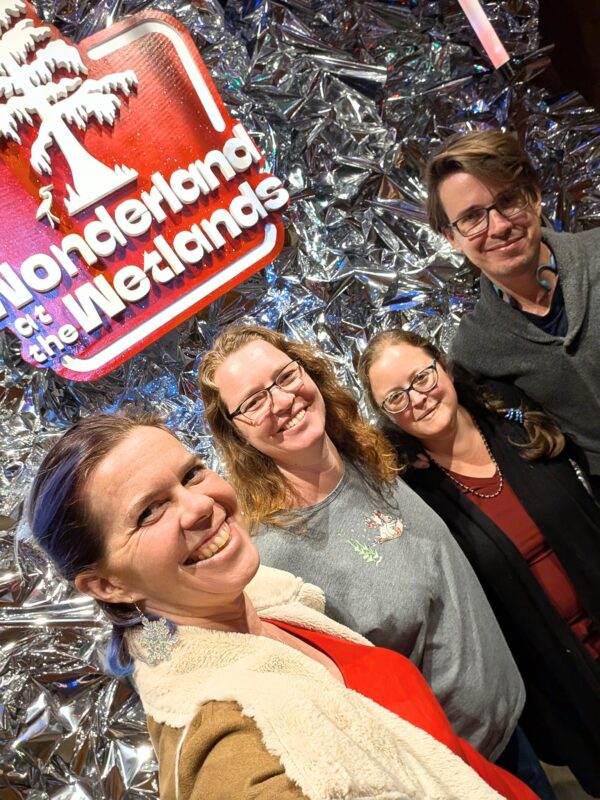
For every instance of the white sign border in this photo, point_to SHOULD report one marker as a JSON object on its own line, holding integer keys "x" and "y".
{"x": 197, "y": 293}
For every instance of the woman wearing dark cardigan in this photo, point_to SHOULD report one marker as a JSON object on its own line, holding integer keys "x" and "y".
{"x": 502, "y": 481}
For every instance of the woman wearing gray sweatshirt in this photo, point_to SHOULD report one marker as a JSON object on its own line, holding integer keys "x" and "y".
{"x": 321, "y": 489}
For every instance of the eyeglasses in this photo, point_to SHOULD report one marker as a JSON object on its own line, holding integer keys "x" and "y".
{"x": 509, "y": 204}
{"x": 255, "y": 407}
{"x": 424, "y": 381}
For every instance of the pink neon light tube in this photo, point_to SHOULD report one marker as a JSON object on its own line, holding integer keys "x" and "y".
{"x": 485, "y": 32}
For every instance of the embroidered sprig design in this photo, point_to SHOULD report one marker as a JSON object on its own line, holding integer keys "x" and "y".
{"x": 365, "y": 551}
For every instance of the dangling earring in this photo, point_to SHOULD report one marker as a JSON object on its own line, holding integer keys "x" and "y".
{"x": 157, "y": 638}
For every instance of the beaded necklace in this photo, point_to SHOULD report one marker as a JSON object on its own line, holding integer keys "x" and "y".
{"x": 466, "y": 488}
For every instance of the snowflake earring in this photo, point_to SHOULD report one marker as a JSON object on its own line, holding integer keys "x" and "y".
{"x": 158, "y": 638}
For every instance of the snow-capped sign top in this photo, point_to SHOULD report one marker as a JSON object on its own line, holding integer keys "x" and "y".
{"x": 129, "y": 197}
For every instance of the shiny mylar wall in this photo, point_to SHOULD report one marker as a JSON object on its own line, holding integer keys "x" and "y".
{"x": 346, "y": 99}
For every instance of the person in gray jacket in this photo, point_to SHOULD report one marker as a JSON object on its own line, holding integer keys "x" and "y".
{"x": 534, "y": 324}
{"x": 320, "y": 487}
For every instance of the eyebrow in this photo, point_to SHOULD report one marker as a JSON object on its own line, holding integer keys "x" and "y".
{"x": 274, "y": 375}
{"x": 420, "y": 369}
{"x": 468, "y": 210}
{"x": 410, "y": 379}
{"x": 144, "y": 500}
{"x": 480, "y": 205}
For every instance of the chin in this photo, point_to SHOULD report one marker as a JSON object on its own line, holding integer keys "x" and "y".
{"x": 244, "y": 574}
{"x": 254, "y": 569}
{"x": 310, "y": 440}
{"x": 306, "y": 436}
{"x": 439, "y": 424}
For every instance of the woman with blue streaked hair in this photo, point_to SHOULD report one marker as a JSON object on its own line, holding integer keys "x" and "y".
{"x": 246, "y": 685}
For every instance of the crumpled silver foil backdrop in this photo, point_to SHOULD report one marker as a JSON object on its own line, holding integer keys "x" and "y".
{"x": 346, "y": 98}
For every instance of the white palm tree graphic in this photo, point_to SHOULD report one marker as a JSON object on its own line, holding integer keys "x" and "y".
{"x": 27, "y": 89}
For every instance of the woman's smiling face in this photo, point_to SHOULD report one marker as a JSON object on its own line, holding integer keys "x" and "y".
{"x": 174, "y": 537}
{"x": 427, "y": 415}
{"x": 294, "y": 424}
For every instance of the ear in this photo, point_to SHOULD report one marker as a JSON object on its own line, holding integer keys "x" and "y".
{"x": 99, "y": 586}
{"x": 450, "y": 235}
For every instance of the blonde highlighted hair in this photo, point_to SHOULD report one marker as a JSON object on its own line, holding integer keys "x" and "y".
{"x": 545, "y": 440}
{"x": 263, "y": 492}
{"x": 490, "y": 156}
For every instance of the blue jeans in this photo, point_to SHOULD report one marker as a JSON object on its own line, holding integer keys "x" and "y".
{"x": 519, "y": 758}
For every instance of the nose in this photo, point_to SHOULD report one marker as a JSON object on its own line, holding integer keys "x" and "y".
{"x": 498, "y": 225}
{"x": 196, "y": 509}
{"x": 280, "y": 399}
{"x": 417, "y": 399}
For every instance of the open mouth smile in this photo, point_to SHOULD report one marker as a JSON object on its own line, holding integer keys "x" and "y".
{"x": 217, "y": 543}
{"x": 295, "y": 420}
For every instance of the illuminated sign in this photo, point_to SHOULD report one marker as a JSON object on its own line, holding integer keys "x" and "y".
{"x": 129, "y": 197}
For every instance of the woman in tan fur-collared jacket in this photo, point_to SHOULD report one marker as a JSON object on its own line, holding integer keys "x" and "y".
{"x": 250, "y": 691}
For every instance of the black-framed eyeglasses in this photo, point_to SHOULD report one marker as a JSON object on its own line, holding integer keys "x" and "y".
{"x": 509, "y": 204}
{"x": 255, "y": 407}
{"x": 424, "y": 381}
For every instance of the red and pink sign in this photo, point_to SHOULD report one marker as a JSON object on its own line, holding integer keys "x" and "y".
{"x": 129, "y": 197}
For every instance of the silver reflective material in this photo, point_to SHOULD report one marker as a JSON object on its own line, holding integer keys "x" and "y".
{"x": 347, "y": 99}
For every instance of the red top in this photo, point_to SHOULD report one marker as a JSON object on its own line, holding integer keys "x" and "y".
{"x": 396, "y": 684}
{"x": 507, "y": 512}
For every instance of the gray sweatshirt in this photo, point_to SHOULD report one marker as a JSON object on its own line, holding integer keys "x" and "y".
{"x": 561, "y": 374}
{"x": 391, "y": 570}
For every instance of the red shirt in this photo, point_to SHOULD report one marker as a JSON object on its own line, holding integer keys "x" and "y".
{"x": 507, "y": 512}
{"x": 396, "y": 684}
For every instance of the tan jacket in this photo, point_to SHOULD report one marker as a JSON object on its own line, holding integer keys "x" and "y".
{"x": 223, "y": 756}
{"x": 235, "y": 716}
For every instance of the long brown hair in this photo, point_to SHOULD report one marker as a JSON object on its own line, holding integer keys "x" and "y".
{"x": 545, "y": 440}
{"x": 262, "y": 490}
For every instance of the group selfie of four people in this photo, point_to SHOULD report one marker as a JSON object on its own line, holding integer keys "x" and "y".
{"x": 426, "y": 620}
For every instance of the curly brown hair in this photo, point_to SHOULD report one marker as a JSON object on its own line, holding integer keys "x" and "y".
{"x": 488, "y": 156}
{"x": 545, "y": 439}
{"x": 263, "y": 492}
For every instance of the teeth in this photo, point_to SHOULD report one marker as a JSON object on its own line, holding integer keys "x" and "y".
{"x": 218, "y": 543}
{"x": 295, "y": 420}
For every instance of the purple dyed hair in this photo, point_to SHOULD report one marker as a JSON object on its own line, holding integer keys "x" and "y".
{"x": 59, "y": 517}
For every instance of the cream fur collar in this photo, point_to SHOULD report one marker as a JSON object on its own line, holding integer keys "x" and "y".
{"x": 332, "y": 741}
